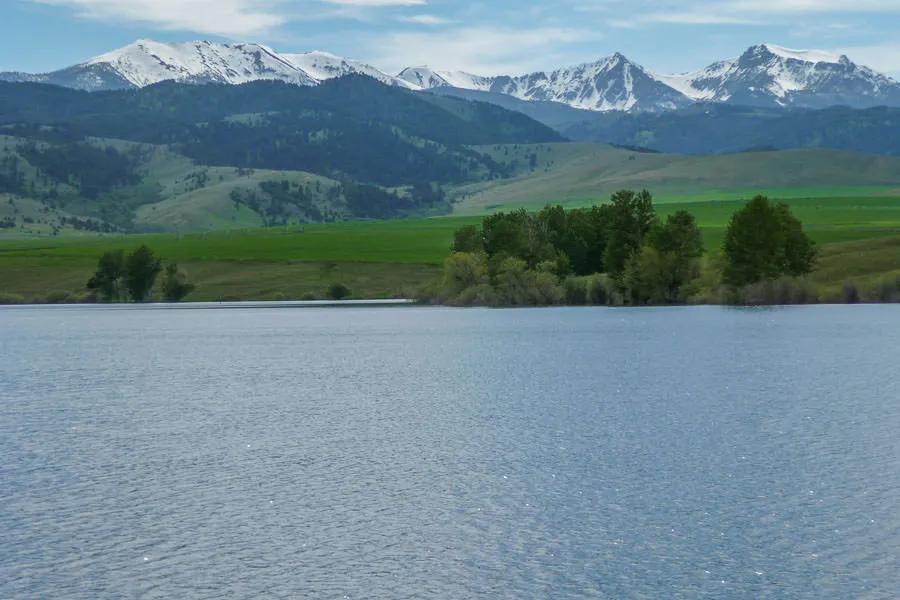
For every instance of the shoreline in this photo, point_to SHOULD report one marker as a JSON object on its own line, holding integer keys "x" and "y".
{"x": 229, "y": 304}
{"x": 396, "y": 303}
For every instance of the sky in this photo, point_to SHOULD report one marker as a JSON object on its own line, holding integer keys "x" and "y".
{"x": 486, "y": 37}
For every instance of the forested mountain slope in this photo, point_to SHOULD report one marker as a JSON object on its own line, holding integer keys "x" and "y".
{"x": 385, "y": 151}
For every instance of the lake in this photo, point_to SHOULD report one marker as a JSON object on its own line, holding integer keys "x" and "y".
{"x": 416, "y": 452}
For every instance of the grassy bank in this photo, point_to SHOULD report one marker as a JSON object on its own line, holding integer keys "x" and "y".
{"x": 859, "y": 239}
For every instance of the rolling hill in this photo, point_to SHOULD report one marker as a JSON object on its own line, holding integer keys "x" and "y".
{"x": 577, "y": 173}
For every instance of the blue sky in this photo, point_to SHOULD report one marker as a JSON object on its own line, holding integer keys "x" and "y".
{"x": 482, "y": 36}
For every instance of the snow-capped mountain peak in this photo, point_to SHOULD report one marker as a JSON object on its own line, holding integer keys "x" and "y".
{"x": 771, "y": 75}
{"x": 324, "y": 65}
{"x": 611, "y": 83}
{"x": 146, "y": 62}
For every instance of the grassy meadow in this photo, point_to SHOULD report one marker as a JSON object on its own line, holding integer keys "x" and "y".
{"x": 859, "y": 238}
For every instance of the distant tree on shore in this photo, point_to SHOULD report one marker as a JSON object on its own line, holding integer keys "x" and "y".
{"x": 107, "y": 280}
{"x": 765, "y": 241}
{"x": 141, "y": 270}
{"x": 668, "y": 261}
{"x": 174, "y": 284}
{"x": 119, "y": 277}
{"x": 631, "y": 217}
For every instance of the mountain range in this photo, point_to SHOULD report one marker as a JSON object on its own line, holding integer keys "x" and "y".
{"x": 765, "y": 75}
{"x": 176, "y": 156}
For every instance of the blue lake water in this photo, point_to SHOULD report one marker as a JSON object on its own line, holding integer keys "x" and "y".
{"x": 440, "y": 453}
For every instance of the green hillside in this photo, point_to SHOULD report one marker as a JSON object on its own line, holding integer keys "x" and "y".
{"x": 169, "y": 192}
{"x": 581, "y": 174}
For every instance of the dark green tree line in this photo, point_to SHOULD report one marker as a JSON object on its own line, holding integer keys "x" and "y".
{"x": 623, "y": 252}
{"x": 642, "y": 259}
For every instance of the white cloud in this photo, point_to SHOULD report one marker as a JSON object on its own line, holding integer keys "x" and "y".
{"x": 734, "y": 12}
{"x": 813, "y": 6}
{"x": 481, "y": 50}
{"x": 229, "y": 18}
{"x": 425, "y": 20}
{"x": 376, "y": 3}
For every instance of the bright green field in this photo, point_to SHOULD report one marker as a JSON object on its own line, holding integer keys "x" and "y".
{"x": 860, "y": 238}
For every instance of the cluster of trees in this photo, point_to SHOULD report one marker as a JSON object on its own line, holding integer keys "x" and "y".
{"x": 621, "y": 252}
{"x": 644, "y": 258}
{"x": 88, "y": 168}
{"x": 371, "y": 202}
{"x": 283, "y": 195}
{"x": 280, "y": 202}
{"x": 133, "y": 277}
{"x": 88, "y": 224}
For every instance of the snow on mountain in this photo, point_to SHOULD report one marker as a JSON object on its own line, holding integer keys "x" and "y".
{"x": 809, "y": 56}
{"x": 612, "y": 83}
{"x": 147, "y": 62}
{"x": 427, "y": 78}
{"x": 771, "y": 75}
{"x": 764, "y": 75}
{"x": 323, "y": 65}
{"x": 692, "y": 84}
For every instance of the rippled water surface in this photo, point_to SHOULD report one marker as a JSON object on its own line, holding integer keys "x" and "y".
{"x": 436, "y": 453}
